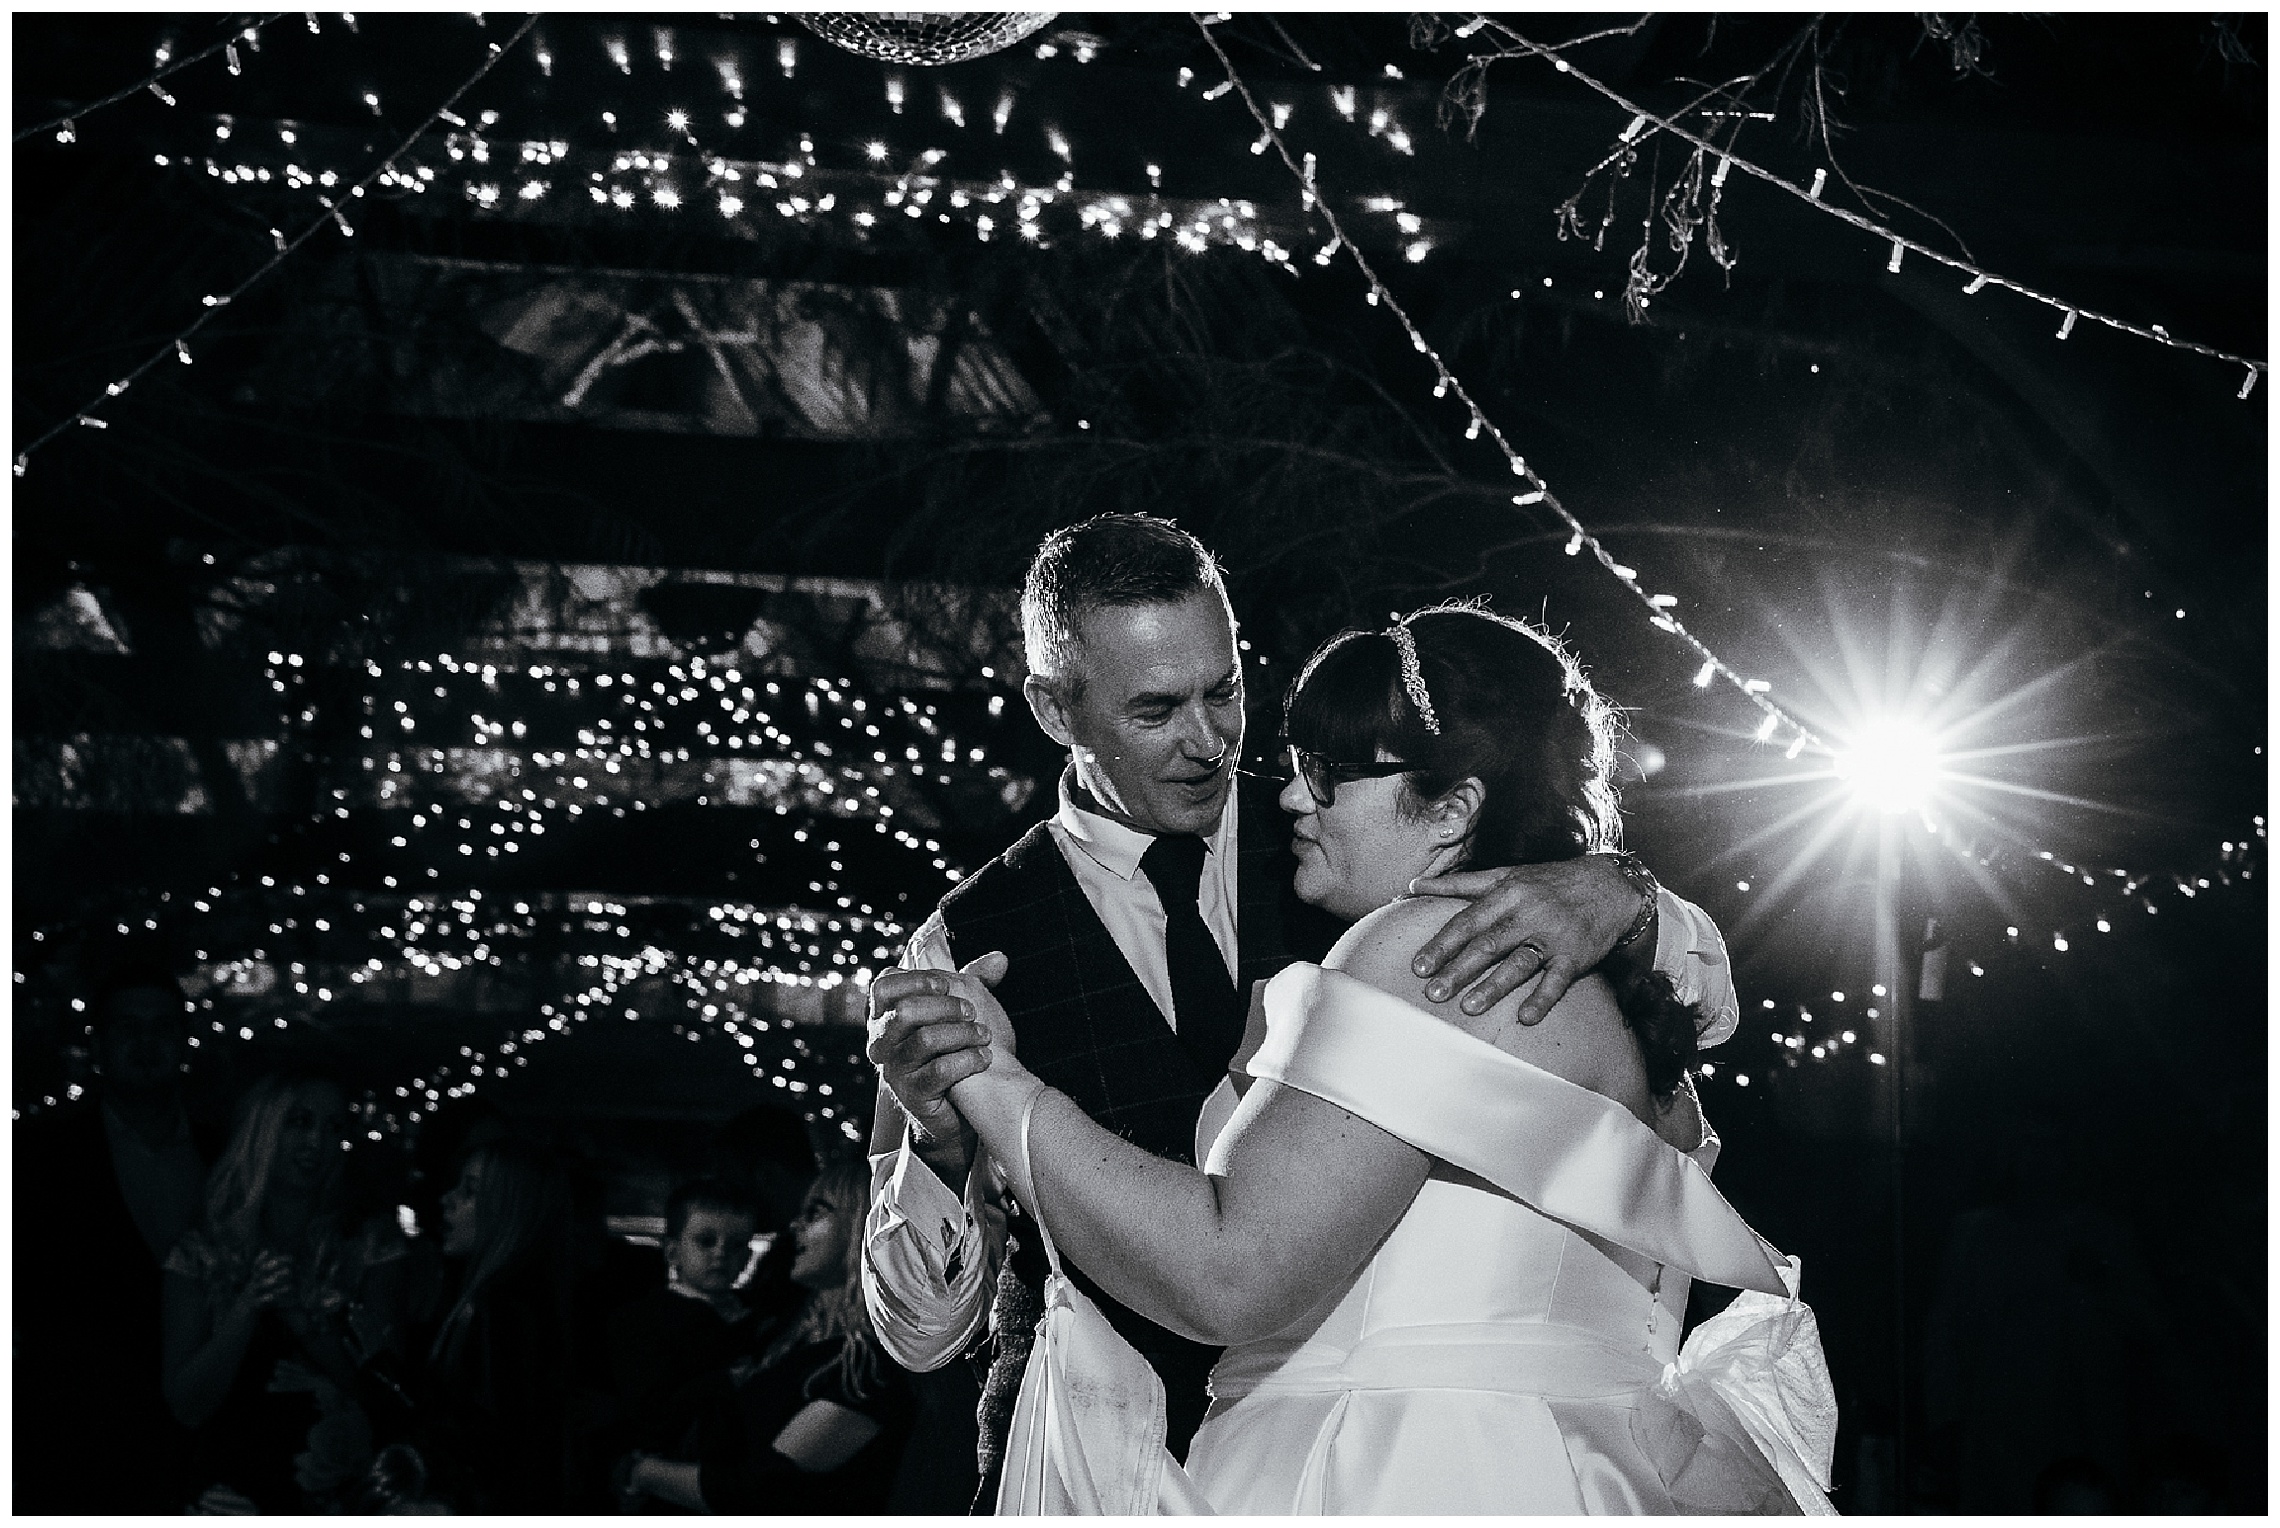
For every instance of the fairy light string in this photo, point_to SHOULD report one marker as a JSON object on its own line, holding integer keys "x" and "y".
{"x": 921, "y": 193}
{"x": 275, "y": 952}
{"x": 1659, "y": 606}
{"x": 786, "y": 1052}
{"x": 250, "y": 32}
{"x": 279, "y": 952}
{"x": 1899, "y": 243}
{"x": 178, "y": 346}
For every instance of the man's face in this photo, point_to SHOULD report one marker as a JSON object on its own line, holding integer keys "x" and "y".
{"x": 1157, "y": 725}
{"x": 141, "y": 1044}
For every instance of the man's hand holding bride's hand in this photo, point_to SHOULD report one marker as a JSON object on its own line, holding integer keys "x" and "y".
{"x": 1550, "y": 922}
{"x": 922, "y": 1037}
{"x": 929, "y": 1030}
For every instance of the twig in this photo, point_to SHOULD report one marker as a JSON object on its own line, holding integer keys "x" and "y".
{"x": 1979, "y": 277}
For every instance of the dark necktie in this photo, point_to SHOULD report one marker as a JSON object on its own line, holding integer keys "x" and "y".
{"x": 1208, "y": 1015}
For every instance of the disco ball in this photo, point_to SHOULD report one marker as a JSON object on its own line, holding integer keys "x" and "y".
{"x": 924, "y": 37}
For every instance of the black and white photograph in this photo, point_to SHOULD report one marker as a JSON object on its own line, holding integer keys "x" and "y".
{"x": 1139, "y": 763}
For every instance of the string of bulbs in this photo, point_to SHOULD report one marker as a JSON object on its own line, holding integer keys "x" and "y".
{"x": 1537, "y": 491}
{"x": 179, "y": 346}
{"x": 1580, "y": 537}
{"x": 68, "y": 123}
{"x": 1901, "y": 245}
{"x": 1380, "y": 124}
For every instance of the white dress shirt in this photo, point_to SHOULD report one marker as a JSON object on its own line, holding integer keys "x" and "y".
{"x": 930, "y": 1259}
{"x": 1105, "y": 858}
{"x": 930, "y": 1256}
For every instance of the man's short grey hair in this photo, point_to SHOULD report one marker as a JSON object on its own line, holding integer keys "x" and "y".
{"x": 1107, "y": 561}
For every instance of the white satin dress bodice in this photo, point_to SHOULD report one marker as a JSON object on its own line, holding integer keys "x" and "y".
{"x": 1512, "y": 1345}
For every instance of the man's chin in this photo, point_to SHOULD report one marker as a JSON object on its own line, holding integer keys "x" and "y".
{"x": 1194, "y": 809}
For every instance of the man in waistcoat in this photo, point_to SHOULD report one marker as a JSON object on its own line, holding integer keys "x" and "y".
{"x": 1135, "y": 920}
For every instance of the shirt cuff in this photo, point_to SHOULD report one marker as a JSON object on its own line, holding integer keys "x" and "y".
{"x": 925, "y": 1262}
{"x": 919, "y": 1196}
{"x": 1692, "y": 953}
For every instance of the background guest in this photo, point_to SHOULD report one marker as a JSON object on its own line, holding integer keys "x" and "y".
{"x": 495, "y": 1398}
{"x": 768, "y": 1150}
{"x": 273, "y": 1299}
{"x": 672, "y": 1349}
{"x": 102, "y": 1193}
{"x": 817, "y": 1424}
{"x": 2046, "y": 1343}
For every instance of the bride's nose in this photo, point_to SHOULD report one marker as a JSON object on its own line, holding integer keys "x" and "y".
{"x": 1296, "y": 799}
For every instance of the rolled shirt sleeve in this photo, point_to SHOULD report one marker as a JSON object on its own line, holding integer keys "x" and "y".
{"x": 1692, "y": 953}
{"x": 929, "y": 1256}
{"x": 929, "y": 1259}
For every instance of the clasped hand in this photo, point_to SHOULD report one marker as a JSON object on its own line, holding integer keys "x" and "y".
{"x": 267, "y": 1287}
{"x": 930, "y": 1030}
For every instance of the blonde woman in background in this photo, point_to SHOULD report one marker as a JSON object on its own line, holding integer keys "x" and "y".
{"x": 493, "y": 1408}
{"x": 273, "y": 1300}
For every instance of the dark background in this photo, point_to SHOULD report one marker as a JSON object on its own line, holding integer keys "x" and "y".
{"x": 1874, "y": 491}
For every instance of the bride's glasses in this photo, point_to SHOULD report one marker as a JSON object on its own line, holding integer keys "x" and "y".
{"x": 1322, "y": 775}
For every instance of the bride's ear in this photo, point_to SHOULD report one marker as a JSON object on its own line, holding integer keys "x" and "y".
{"x": 1454, "y": 812}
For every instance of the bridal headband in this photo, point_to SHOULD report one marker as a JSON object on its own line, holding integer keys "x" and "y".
{"x": 1413, "y": 677}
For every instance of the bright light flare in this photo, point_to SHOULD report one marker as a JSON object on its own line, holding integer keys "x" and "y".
{"x": 1891, "y": 766}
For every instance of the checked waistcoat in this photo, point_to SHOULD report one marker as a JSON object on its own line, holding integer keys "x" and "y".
{"x": 1087, "y": 1026}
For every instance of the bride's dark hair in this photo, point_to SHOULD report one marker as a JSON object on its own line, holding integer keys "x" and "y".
{"x": 1516, "y": 712}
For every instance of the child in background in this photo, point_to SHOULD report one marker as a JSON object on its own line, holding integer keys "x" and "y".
{"x": 671, "y": 1351}
{"x": 818, "y": 1423}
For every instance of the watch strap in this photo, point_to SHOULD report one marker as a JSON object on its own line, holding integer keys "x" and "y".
{"x": 1650, "y": 892}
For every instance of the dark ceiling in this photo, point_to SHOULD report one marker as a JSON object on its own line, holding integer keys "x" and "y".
{"x": 1864, "y": 485}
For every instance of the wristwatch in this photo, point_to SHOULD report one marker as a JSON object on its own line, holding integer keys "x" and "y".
{"x": 1650, "y": 890}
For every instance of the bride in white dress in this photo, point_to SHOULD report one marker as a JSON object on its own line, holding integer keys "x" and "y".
{"x": 1448, "y": 1256}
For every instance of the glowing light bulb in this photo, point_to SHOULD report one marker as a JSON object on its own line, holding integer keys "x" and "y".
{"x": 1891, "y": 766}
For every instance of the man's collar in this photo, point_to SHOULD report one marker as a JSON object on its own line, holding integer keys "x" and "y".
{"x": 1116, "y": 847}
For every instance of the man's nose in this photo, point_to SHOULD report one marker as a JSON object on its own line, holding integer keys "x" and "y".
{"x": 1200, "y": 740}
